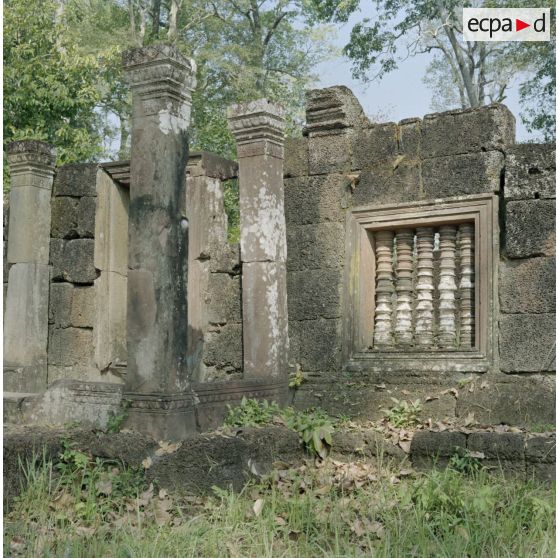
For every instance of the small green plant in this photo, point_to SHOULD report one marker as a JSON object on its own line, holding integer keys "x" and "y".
{"x": 251, "y": 412}
{"x": 116, "y": 420}
{"x": 296, "y": 379}
{"x": 465, "y": 463}
{"x": 314, "y": 428}
{"x": 403, "y": 413}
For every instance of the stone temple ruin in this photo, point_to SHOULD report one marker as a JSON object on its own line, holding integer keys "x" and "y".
{"x": 380, "y": 260}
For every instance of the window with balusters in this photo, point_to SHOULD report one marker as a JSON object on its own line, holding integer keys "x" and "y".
{"x": 420, "y": 284}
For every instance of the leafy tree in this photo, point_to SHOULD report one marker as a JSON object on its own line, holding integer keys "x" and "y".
{"x": 50, "y": 89}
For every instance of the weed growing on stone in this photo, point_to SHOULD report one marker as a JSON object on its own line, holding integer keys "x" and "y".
{"x": 326, "y": 508}
{"x": 403, "y": 414}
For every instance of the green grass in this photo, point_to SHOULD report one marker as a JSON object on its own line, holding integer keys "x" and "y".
{"x": 89, "y": 508}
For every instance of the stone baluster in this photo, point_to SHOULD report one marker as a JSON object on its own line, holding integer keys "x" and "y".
{"x": 404, "y": 287}
{"x": 26, "y": 314}
{"x": 158, "y": 378}
{"x": 258, "y": 127}
{"x": 466, "y": 285}
{"x": 424, "y": 331}
{"x": 447, "y": 334}
{"x": 383, "y": 337}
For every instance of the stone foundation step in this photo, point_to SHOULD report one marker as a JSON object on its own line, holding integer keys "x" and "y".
{"x": 15, "y": 403}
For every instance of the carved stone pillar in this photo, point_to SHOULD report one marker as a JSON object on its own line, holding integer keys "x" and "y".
{"x": 424, "y": 333}
{"x": 259, "y": 131}
{"x": 26, "y": 314}
{"x": 157, "y": 379}
{"x": 404, "y": 287}
{"x": 447, "y": 335}
{"x": 383, "y": 336}
{"x": 466, "y": 243}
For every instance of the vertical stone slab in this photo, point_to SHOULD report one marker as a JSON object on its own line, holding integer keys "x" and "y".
{"x": 26, "y": 314}
{"x": 258, "y": 127}
{"x": 157, "y": 379}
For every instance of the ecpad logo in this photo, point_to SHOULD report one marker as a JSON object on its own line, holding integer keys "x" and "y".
{"x": 506, "y": 24}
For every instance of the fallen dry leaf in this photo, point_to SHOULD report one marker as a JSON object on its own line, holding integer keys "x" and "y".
{"x": 258, "y": 506}
{"x": 147, "y": 462}
{"x": 167, "y": 447}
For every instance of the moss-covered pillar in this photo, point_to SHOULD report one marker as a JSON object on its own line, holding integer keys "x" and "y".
{"x": 26, "y": 314}
{"x": 258, "y": 127}
{"x": 157, "y": 379}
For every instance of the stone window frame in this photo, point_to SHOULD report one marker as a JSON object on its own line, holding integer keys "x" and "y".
{"x": 359, "y": 295}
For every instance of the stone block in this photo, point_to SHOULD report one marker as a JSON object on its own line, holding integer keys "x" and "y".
{"x": 64, "y": 217}
{"x": 223, "y": 348}
{"x": 519, "y": 402}
{"x": 86, "y": 217}
{"x": 319, "y": 246}
{"x": 530, "y": 228}
{"x": 225, "y": 258}
{"x": 26, "y": 321}
{"x": 296, "y": 157}
{"x": 388, "y": 184}
{"x": 409, "y": 137}
{"x": 265, "y": 320}
{"x": 528, "y": 286}
{"x": 458, "y": 175}
{"x": 498, "y": 445}
{"x": 70, "y": 346}
{"x": 72, "y": 261}
{"x": 83, "y": 307}
{"x": 541, "y": 448}
{"x": 375, "y": 145}
{"x": 437, "y": 444}
{"x": 530, "y": 171}
{"x": 541, "y": 472}
{"x": 60, "y": 304}
{"x": 527, "y": 342}
{"x": 224, "y": 298}
{"x": 76, "y": 180}
{"x": 29, "y": 225}
{"x": 330, "y": 153}
{"x": 467, "y": 131}
{"x": 315, "y": 344}
{"x": 316, "y": 199}
{"x": 5, "y": 268}
{"x": 314, "y": 294}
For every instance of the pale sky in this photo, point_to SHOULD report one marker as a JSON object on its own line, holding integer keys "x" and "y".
{"x": 401, "y": 93}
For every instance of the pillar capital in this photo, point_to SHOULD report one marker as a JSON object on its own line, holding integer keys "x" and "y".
{"x": 258, "y": 127}
{"x": 31, "y": 157}
{"x": 161, "y": 76}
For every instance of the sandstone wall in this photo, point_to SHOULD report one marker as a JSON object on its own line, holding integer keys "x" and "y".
{"x": 345, "y": 162}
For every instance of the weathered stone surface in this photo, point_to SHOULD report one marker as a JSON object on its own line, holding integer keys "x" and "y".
{"x": 296, "y": 157}
{"x": 457, "y": 175}
{"x": 528, "y": 286}
{"x": 5, "y": 216}
{"x": 530, "y": 171}
{"x": 64, "y": 217}
{"x": 527, "y": 342}
{"x": 72, "y": 261}
{"x": 83, "y": 307}
{"x": 331, "y": 153}
{"x": 6, "y": 268}
{"x": 440, "y": 444}
{"x": 333, "y": 108}
{"x": 265, "y": 320}
{"x": 387, "y": 184}
{"x": 224, "y": 298}
{"x": 498, "y": 445}
{"x": 29, "y": 225}
{"x": 542, "y": 472}
{"x": 204, "y": 163}
{"x": 223, "y": 348}
{"x": 410, "y": 137}
{"x": 375, "y": 145}
{"x": 541, "y": 448}
{"x": 26, "y": 326}
{"x": 319, "y": 246}
{"x": 522, "y": 402}
{"x": 60, "y": 304}
{"x": 225, "y": 258}
{"x": 69, "y": 346}
{"x": 86, "y": 217}
{"x": 530, "y": 228}
{"x": 466, "y": 131}
{"x": 315, "y": 344}
{"x": 314, "y": 294}
{"x": 316, "y": 199}
{"x": 75, "y": 180}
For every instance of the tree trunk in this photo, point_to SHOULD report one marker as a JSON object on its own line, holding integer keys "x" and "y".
{"x": 155, "y": 18}
{"x": 173, "y": 19}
